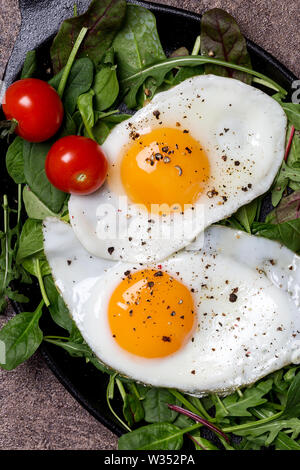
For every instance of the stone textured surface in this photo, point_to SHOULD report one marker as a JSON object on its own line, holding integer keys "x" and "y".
{"x": 36, "y": 411}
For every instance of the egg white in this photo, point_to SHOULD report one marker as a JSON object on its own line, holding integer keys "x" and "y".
{"x": 236, "y": 342}
{"x": 242, "y": 131}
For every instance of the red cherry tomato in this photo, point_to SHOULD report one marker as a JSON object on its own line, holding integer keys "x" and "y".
{"x": 37, "y": 108}
{"x": 76, "y": 165}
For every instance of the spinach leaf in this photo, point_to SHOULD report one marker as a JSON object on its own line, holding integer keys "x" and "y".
{"x": 287, "y": 233}
{"x": 21, "y": 337}
{"x": 132, "y": 409}
{"x": 246, "y": 214}
{"x": 292, "y": 406}
{"x": 158, "y": 436}
{"x": 37, "y": 265}
{"x": 284, "y": 442}
{"x": 30, "y": 65}
{"x": 103, "y": 126}
{"x": 235, "y": 405}
{"x": 14, "y": 161}
{"x": 58, "y": 310}
{"x": 137, "y": 44}
{"x": 158, "y": 71}
{"x": 187, "y": 72}
{"x": 9, "y": 269}
{"x": 79, "y": 81}
{"x": 31, "y": 240}
{"x": 103, "y": 19}
{"x": 85, "y": 106}
{"x": 35, "y": 208}
{"x": 34, "y": 170}
{"x": 74, "y": 349}
{"x": 156, "y": 406}
{"x": 292, "y": 110}
{"x": 271, "y": 429}
{"x": 221, "y": 38}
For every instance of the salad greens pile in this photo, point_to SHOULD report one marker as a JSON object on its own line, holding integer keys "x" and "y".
{"x": 104, "y": 61}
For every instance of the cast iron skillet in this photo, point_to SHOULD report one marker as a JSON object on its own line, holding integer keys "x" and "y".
{"x": 40, "y": 21}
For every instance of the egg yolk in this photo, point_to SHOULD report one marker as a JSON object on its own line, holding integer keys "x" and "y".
{"x": 165, "y": 167}
{"x": 151, "y": 314}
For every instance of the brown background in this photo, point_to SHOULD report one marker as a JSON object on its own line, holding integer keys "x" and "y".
{"x": 36, "y": 412}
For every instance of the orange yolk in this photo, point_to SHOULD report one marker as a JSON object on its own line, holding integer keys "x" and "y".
{"x": 166, "y": 166}
{"x": 151, "y": 314}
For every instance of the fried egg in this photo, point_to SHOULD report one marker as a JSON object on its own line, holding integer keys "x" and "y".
{"x": 216, "y": 316}
{"x": 191, "y": 157}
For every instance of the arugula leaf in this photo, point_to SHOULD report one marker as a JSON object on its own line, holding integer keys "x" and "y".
{"x": 292, "y": 110}
{"x": 30, "y": 65}
{"x": 156, "y": 406}
{"x": 103, "y": 126}
{"x": 79, "y": 81}
{"x": 35, "y": 208}
{"x": 201, "y": 443}
{"x": 34, "y": 170}
{"x": 236, "y": 405}
{"x": 246, "y": 214}
{"x": 37, "y": 265}
{"x": 221, "y": 38}
{"x": 74, "y": 349}
{"x": 103, "y": 20}
{"x": 106, "y": 85}
{"x": 21, "y": 337}
{"x": 131, "y": 85}
{"x": 158, "y": 436}
{"x": 14, "y": 160}
{"x": 288, "y": 209}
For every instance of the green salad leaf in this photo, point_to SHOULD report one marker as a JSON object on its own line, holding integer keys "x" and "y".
{"x": 79, "y": 81}
{"x": 21, "y": 337}
{"x": 34, "y": 207}
{"x": 15, "y": 161}
{"x": 137, "y": 44}
{"x": 287, "y": 233}
{"x": 34, "y": 170}
{"x": 222, "y": 39}
{"x": 30, "y": 65}
{"x": 158, "y": 436}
